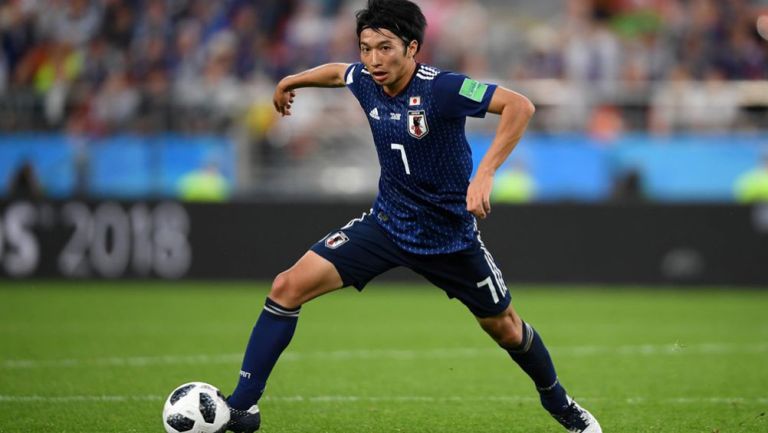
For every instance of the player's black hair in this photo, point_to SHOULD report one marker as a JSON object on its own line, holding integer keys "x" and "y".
{"x": 401, "y": 17}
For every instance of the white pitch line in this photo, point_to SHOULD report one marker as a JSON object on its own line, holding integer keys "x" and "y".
{"x": 131, "y": 361}
{"x": 77, "y": 398}
{"x": 391, "y": 354}
{"x": 388, "y": 399}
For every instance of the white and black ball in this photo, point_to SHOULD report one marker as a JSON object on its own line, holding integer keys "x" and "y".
{"x": 195, "y": 407}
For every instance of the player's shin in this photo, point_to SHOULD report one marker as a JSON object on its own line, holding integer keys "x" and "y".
{"x": 270, "y": 336}
{"x": 533, "y": 357}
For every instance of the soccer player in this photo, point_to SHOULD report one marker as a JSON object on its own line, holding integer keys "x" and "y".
{"x": 424, "y": 217}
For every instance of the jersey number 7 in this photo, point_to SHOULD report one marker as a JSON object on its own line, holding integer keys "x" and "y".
{"x": 401, "y": 148}
{"x": 488, "y": 282}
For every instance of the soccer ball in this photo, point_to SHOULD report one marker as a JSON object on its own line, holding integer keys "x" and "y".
{"x": 195, "y": 407}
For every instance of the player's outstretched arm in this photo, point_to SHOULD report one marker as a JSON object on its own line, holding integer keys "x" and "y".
{"x": 328, "y": 75}
{"x": 515, "y": 110}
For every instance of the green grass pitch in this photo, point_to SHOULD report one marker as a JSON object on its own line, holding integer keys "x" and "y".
{"x": 102, "y": 357}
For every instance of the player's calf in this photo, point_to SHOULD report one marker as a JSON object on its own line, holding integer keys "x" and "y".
{"x": 533, "y": 357}
{"x": 506, "y": 329}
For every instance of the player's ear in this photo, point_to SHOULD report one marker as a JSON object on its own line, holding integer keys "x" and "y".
{"x": 413, "y": 48}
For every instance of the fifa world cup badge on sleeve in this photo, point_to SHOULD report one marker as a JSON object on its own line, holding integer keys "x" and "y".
{"x": 417, "y": 123}
{"x": 336, "y": 240}
{"x": 473, "y": 90}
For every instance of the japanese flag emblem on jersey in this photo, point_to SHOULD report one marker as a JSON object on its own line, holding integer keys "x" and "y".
{"x": 417, "y": 123}
{"x": 336, "y": 240}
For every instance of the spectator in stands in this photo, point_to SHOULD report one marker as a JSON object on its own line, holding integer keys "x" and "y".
{"x": 155, "y": 112}
{"x": 307, "y": 35}
{"x": 681, "y": 103}
{"x": 213, "y": 97}
{"x": 116, "y": 103}
{"x": 75, "y": 22}
{"x": 186, "y": 59}
{"x": 155, "y": 21}
{"x": 150, "y": 53}
{"x": 211, "y": 15}
{"x": 629, "y": 187}
{"x": 24, "y": 184}
{"x": 457, "y": 51}
{"x": 592, "y": 55}
{"x": 248, "y": 41}
{"x": 100, "y": 59}
{"x": 53, "y": 69}
{"x": 605, "y": 123}
{"x": 17, "y": 36}
{"x": 743, "y": 58}
{"x": 544, "y": 59}
{"x": 118, "y": 24}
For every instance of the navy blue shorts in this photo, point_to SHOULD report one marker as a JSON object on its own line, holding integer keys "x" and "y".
{"x": 361, "y": 250}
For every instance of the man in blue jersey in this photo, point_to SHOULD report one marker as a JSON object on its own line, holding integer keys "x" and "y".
{"x": 424, "y": 215}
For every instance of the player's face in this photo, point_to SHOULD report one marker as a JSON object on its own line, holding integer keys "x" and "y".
{"x": 386, "y": 58}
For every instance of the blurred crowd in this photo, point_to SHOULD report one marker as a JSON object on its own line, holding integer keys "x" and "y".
{"x": 657, "y": 65}
{"x": 101, "y": 66}
{"x": 640, "y": 40}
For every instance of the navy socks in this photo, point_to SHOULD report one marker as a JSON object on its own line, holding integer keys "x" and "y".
{"x": 276, "y": 325}
{"x": 532, "y": 356}
{"x": 270, "y": 336}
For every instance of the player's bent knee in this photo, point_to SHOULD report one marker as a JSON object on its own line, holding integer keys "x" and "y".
{"x": 284, "y": 291}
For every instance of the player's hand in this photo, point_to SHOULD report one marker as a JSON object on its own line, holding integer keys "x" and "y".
{"x": 479, "y": 195}
{"x": 283, "y": 99}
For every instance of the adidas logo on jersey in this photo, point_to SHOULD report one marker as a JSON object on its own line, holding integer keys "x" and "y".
{"x": 375, "y": 113}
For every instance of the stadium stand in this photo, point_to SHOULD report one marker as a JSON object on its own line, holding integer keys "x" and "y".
{"x": 602, "y": 68}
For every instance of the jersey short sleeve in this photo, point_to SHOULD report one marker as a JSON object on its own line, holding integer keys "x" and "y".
{"x": 458, "y": 95}
{"x": 352, "y": 76}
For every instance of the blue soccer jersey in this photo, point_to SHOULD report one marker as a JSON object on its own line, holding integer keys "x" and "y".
{"x": 426, "y": 161}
